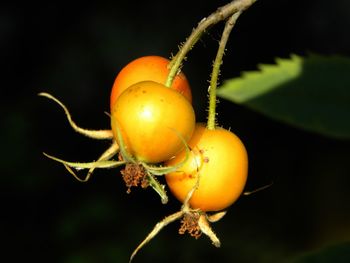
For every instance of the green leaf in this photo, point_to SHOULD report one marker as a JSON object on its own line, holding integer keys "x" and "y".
{"x": 312, "y": 93}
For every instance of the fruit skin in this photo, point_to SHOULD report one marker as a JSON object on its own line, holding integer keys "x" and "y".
{"x": 151, "y": 117}
{"x": 153, "y": 68}
{"x": 221, "y": 159}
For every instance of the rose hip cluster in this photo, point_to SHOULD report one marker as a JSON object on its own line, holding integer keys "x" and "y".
{"x": 154, "y": 133}
{"x": 154, "y": 121}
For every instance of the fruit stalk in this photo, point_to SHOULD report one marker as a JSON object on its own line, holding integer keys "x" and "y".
{"x": 222, "y": 13}
{"x": 216, "y": 69}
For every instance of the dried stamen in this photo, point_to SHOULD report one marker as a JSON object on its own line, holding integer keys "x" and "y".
{"x": 134, "y": 175}
{"x": 189, "y": 223}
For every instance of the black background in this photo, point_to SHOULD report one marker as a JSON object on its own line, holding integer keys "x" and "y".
{"x": 74, "y": 51}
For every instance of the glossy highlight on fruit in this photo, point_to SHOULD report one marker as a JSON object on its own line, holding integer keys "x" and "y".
{"x": 221, "y": 160}
{"x": 153, "y": 120}
{"x": 154, "y": 68}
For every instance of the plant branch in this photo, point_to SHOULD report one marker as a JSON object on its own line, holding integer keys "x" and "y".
{"x": 222, "y": 13}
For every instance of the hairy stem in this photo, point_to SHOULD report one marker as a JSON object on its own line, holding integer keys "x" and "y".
{"x": 216, "y": 69}
{"x": 222, "y": 13}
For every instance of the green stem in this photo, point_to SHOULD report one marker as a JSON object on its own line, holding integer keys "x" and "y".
{"x": 216, "y": 69}
{"x": 222, "y": 13}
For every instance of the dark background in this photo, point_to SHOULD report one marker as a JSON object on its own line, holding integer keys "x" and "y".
{"x": 75, "y": 51}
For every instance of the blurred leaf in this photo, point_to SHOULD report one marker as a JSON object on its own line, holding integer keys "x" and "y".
{"x": 91, "y": 215}
{"x": 312, "y": 93}
{"x": 99, "y": 252}
{"x": 338, "y": 253}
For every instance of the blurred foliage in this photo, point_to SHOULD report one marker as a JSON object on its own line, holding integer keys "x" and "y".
{"x": 311, "y": 93}
{"x": 75, "y": 51}
{"x": 339, "y": 253}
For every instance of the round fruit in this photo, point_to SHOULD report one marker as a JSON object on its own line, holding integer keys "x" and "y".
{"x": 153, "y": 68}
{"x": 153, "y": 120}
{"x": 220, "y": 159}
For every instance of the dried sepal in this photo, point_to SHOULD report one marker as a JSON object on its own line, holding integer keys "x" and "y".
{"x": 106, "y": 155}
{"x": 216, "y": 217}
{"x": 207, "y": 230}
{"x": 101, "y": 163}
{"x": 87, "y": 165}
{"x": 94, "y": 134}
{"x": 158, "y": 227}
